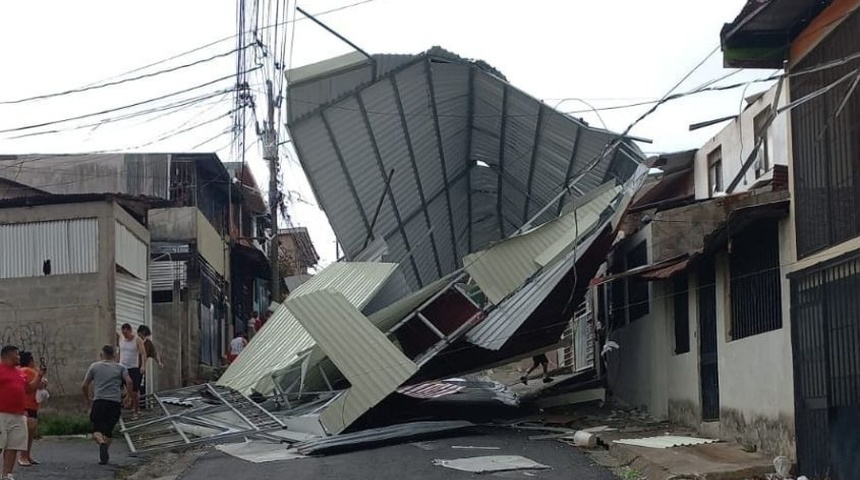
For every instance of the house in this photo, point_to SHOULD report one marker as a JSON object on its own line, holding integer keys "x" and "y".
{"x": 72, "y": 269}
{"x": 694, "y": 292}
{"x": 190, "y": 251}
{"x": 817, "y": 41}
{"x": 297, "y": 254}
{"x": 249, "y": 246}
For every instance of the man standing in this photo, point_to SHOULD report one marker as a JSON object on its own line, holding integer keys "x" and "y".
{"x": 132, "y": 355}
{"x": 13, "y": 422}
{"x": 238, "y": 344}
{"x": 107, "y": 378}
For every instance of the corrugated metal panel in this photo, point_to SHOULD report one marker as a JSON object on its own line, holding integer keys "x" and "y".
{"x": 505, "y": 266}
{"x": 445, "y": 116}
{"x": 131, "y": 252}
{"x": 666, "y": 441}
{"x": 275, "y": 347}
{"x": 132, "y": 299}
{"x": 501, "y": 324}
{"x": 72, "y": 246}
{"x": 163, "y": 274}
{"x": 374, "y": 367}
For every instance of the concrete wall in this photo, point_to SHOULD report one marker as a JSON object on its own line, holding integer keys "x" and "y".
{"x": 63, "y": 318}
{"x": 756, "y": 373}
{"x": 167, "y": 320}
{"x": 173, "y": 224}
{"x": 737, "y": 140}
{"x": 211, "y": 246}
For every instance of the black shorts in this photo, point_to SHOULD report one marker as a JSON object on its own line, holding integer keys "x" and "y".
{"x": 136, "y": 378}
{"x": 540, "y": 359}
{"x": 104, "y": 416}
{"x": 33, "y": 414}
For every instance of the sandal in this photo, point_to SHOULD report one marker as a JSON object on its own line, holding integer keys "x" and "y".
{"x": 22, "y": 464}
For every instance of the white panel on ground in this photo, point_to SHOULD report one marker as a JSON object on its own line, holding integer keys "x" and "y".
{"x": 259, "y": 452}
{"x": 491, "y": 463}
{"x": 666, "y": 441}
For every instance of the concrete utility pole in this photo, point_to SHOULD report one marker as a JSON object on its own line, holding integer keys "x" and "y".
{"x": 270, "y": 154}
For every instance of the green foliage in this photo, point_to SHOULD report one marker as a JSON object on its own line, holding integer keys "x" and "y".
{"x": 56, "y": 424}
{"x": 627, "y": 473}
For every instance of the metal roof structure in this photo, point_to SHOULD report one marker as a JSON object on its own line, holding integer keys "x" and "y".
{"x": 469, "y": 158}
{"x": 504, "y": 267}
{"x": 373, "y": 365}
{"x": 283, "y": 337}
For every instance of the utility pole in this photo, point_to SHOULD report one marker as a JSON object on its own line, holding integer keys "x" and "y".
{"x": 270, "y": 154}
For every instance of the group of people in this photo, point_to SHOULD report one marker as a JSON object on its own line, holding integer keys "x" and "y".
{"x": 121, "y": 366}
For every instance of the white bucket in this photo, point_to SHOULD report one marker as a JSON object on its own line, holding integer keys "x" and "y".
{"x": 585, "y": 439}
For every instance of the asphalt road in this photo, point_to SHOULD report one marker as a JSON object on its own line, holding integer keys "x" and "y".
{"x": 411, "y": 460}
{"x": 72, "y": 459}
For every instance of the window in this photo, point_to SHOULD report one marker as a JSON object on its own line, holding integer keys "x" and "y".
{"x": 762, "y": 164}
{"x": 637, "y": 288}
{"x": 715, "y": 171}
{"x": 681, "y": 303}
{"x": 755, "y": 281}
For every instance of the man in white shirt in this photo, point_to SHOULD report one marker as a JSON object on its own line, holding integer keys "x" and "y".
{"x": 132, "y": 355}
{"x": 238, "y": 344}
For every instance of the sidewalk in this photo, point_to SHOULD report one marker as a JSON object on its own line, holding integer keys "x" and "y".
{"x": 72, "y": 458}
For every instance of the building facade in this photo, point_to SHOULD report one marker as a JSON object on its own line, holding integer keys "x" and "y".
{"x": 817, "y": 43}
{"x": 695, "y": 291}
{"x": 72, "y": 269}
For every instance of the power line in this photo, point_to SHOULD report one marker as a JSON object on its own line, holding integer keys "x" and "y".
{"x": 118, "y": 82}
{"x": 116, "y": 109}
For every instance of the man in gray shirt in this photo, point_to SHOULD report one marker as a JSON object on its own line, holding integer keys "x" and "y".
{"x": 107, "y": 378}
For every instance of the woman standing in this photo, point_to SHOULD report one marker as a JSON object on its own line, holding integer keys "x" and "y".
{"x": 28, "y": 366}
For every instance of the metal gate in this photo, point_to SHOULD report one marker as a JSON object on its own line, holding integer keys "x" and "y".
{"x": 825, "y": 338}
{"x": 708, "y": 371}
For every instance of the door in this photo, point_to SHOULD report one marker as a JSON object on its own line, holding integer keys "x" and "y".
{"x": 708, "y": 371}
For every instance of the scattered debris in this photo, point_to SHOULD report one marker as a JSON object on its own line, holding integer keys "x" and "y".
{"x": 379, "y": 436}
{"x": 492, "y": 463}
{"x": 666, "y": 441}
{"x": 259, "y": 452}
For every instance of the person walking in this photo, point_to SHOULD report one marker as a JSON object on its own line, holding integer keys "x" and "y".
{"x": 151, "y": 353}
{"x": 13, "y": 422}
{"x": 31, "y": 406}
{"x": 238, "y": 344}
{"x": 105, "y": 402}
{"x": 538, "y": 360}
{"x": 132, "y": 355}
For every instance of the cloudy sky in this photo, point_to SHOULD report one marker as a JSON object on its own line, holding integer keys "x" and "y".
{"x": 572, "y": 53}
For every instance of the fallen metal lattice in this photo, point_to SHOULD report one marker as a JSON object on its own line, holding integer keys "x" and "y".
{"x": 195, "y": 415}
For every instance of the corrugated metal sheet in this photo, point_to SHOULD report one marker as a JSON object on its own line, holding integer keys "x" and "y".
{"x": 501, "y": 324}
{"x": 373, "y": 365}
{"x": 666, "y": 441}
{"x": 431, "y": 118}
{"x": 132, "y": 301}
{"x": 163, "y": 274}
{"x": 72, "y": 246}
{"x": 505, "y": 266}
{"x": 276, "y": 346}
{"x": 131, "y": 252}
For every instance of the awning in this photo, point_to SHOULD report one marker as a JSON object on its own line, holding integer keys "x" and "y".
{"x": 657, "y": 271}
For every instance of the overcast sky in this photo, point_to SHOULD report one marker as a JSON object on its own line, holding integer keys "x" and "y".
{"x": 605, "y": 53}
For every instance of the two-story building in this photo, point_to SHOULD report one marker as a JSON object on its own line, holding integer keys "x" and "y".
{"x": 817, "y": 44}
{"x": 694, "y": 292}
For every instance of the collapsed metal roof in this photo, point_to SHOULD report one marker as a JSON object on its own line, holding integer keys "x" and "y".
{"x": 469, "y": 157}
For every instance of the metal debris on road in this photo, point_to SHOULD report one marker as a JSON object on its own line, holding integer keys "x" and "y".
{"x": 378, "y": 436}
{"x": 469, "y": 447}
{"x": 666, "y": 441}
{"x": 259, "y": 452}
{"x": 491, "y": 463}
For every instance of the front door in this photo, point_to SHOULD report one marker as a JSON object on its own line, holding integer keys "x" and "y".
{"x": 708, "y": 371}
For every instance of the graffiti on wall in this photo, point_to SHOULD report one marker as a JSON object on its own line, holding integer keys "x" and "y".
{"x": 50, "y": 345}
